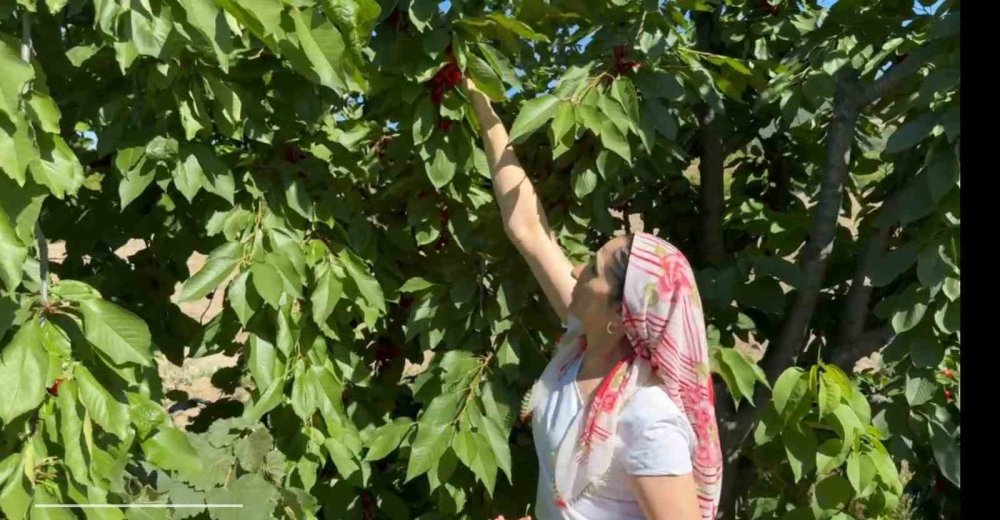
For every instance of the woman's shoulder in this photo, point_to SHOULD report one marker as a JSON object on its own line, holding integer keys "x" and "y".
{"x": 649, "y": 404}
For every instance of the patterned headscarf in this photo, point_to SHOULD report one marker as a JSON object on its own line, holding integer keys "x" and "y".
{"x": 663, "y": 321}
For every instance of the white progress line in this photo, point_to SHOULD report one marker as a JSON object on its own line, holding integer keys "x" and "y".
{"x": 137, "y": 506}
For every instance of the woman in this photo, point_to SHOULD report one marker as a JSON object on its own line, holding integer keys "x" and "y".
{"x": 623, "y": 416}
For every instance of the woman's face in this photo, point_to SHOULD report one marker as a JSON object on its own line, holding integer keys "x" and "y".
{"x": 593, "y": 296}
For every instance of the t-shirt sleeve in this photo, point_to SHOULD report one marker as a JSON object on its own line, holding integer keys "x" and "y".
{"x": 657, "y": 438}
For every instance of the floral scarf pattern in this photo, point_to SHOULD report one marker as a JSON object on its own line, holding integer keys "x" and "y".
{"x": 664, "y": 324}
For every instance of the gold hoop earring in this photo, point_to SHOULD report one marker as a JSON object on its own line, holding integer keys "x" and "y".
{"x": 608, "y": 328}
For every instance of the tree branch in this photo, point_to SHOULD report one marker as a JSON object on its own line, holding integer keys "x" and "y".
{"x": 848, "y": 102}
{"x": 814, "y": 256}
{"x": 852, "y": 319}
{"x": 845, "y": 356}
{"x": 892, "y": 77}
{"x": 712, "y": 163}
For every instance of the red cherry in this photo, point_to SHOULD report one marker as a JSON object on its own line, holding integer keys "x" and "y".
{"x": 770, "y": 8}
{"x": 947, "y": 395}
{"x": 948, "y": 373}
{"x": 452, "y": 74}
{"x": 444, "y": 124}
{"x": 619, "y": 52}
{"x": 437, "y": 95}
{"x": 54, "y": 389}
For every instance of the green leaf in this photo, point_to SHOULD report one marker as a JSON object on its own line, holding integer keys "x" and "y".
{"x": 932, "y": 266}
{"x": 323, "y": 70}
{"x": 14, "y": 497}
{"x": 949, "y": 317}
{"x": 57, "y": 167}
{"x": 17, "y": 150}
{"x": 44, "y": 111}
{"x": 304, "y": 398}
{"x": 13, "y": 253}
{"x": 465, "y": 448}
{"x": 910, "y": 308}
{"x": 415, "y": 284}
{"x": 563, "y": 122}
{"x": 485, "y": 78}
{"x": 16, "y": 74}
{"x": 925, "y": 349}
{"x": 919, "y": 387}
{"x": 109, "y": 413}
{"x": 500, "y": 64}
{"x": 911, "y": 133}
{"x": 429, "y": 445}
{"x": 252, "y": 450}
{"x": 800, "y": 447}
{"x": 422, "y": 13}
{"x": 534, "y": 113}
{"x": 894, "y": 263}
{"x": 789, "y": 389}
{"x": 268, "y": 401}
{"x": 484, "y": 465}
{"x": 942, "y": 174}
{"x": 70, "y": 431}
{"x": 267, "y": 281}
{"x": 613, "y": 112}
{"x": 135, "y": 183}
{"x": 424, "y": 119}
{"x": 387, "y": 437}
{"x": 218, "y": 266}
{"x": 947, "y": 452}
{"x": 613, "y": 139}
{"x": 854, "y": 472}
{"x": 517, "y": 27}
{"x": 298, "y": 199}
{"x": 833, "y": 493}
{"x": 257, "y": 496}
{"x": 329, "y": 289}
{"x": 23, "y": 367}
{"x": 354, "y": 18}
{"x": 144, "y": 413}
{"x": 623, "y": 90}
{"x": 589, "y": 117}
{"x": 434, "y": 433}
{"x": 498, "y": 443}
{"x": 830, "y": 455}
{"x": 162, "y": 148}
{"x": 663, "y": 121}
{"x": 170, "y": 449}
{"x": 584, "y": 179}
{"x": 367, "y": 285}
{"x": 829, "y": 396}
{"x": 123, "y": 336}
{"x": 441, "y": 170}
{"x": 744, "y": 371}
{"x": 243, "y": 299}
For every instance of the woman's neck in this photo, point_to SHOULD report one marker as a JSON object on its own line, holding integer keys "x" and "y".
{"x": 602, "y": 352}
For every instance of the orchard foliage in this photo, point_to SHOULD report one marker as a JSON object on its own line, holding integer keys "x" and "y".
{"x": 323, "y": 155}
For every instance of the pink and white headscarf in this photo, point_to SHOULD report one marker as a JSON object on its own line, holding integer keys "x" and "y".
{"x": 663, "y": 321}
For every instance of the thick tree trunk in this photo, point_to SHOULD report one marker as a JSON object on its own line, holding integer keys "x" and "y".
{"x": 712, "y": 247}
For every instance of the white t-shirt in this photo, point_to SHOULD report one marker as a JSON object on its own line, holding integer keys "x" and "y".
{"x": 654, "y": 438}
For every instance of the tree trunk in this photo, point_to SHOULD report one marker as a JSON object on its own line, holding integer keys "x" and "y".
{"x": 712, "y": 162}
